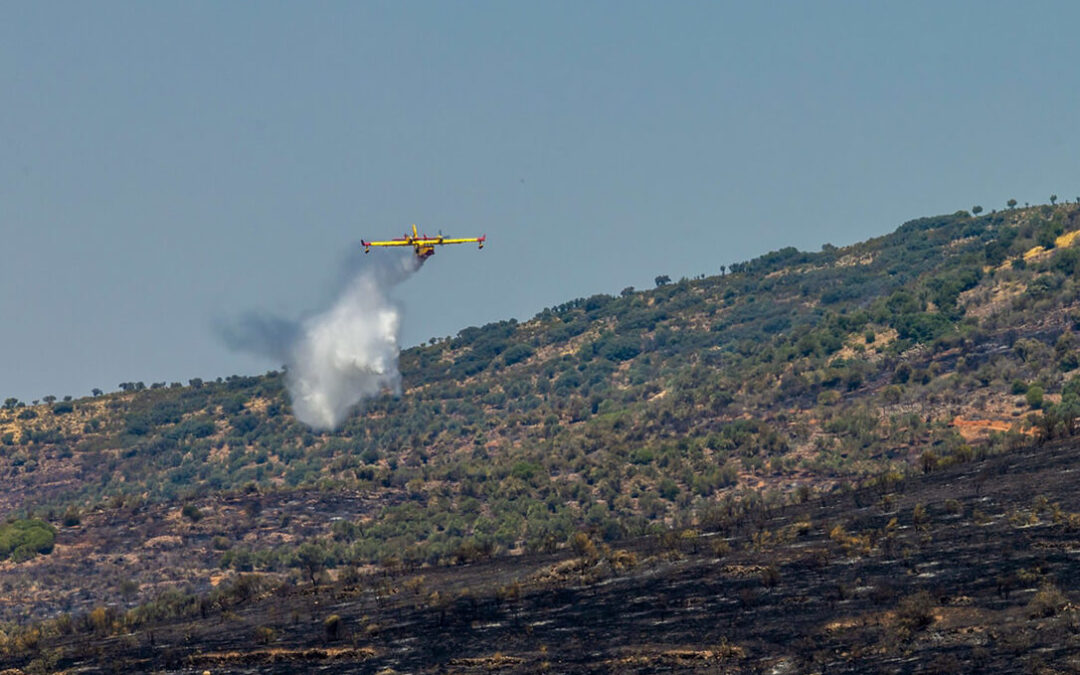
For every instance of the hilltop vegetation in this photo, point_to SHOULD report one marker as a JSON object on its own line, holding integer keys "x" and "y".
{"x": 675, "y": 408}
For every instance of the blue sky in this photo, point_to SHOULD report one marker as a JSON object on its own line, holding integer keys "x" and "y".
{"x": 166, "y": 164}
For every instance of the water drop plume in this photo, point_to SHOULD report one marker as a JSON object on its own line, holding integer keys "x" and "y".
{"x": 338, "y": 357}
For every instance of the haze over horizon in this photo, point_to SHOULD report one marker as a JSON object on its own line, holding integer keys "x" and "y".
{"x": 165, "y": 165}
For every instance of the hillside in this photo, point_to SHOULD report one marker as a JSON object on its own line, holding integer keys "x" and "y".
{"x": 782, "y": 382}
{"x": 968, "y": 569}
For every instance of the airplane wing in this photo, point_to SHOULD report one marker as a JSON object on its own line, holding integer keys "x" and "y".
{"x": 392, "y": 242}
{"x": 467, "y": 240}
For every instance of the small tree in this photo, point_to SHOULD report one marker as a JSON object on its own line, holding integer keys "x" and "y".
{"x": 928, "y": 460}
{"x": 662, "y": 280}
{"x": 312, "y": 558}
{"x": 1053, "y": 199}
{"x": 583, "y": 545}
{"x": 919, "y": 517}
{"x": 976, "y": 209}
{"x": 1034, "y": 396}
{"x": 100, "y": 619}
{"x": 1011, "y": 203}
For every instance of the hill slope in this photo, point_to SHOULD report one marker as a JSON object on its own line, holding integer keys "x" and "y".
{"x": 792, "y": 374}
{"x": 957, "y": 571}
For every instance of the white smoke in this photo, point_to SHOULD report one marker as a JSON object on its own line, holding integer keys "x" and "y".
{"x": 339, "y": 357}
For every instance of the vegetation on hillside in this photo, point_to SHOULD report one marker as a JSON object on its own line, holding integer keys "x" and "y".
{"x": 617, "y": 416}
{"x": 967, "y": 569}
{"x": 23, "y": 539}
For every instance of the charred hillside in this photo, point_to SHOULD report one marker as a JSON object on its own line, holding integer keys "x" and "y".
{"x": 971, "y": 568}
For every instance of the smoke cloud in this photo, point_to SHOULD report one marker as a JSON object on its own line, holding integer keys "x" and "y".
{"x": 338, "y": 357}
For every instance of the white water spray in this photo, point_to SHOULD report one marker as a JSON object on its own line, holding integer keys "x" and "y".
{"x": 339, "y": 357}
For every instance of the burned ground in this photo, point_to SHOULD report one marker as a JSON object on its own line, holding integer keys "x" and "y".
{"x": 975, "y": 567}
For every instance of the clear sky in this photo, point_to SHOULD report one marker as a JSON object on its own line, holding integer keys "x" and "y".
{"x": 166, "y": 164}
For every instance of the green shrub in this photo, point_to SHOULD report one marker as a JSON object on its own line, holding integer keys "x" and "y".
{"x": 23, "y": 539}
{"x": 517, "y": 353}
{"x": 1034, "y": 396}
{"x": 192, "y": 513}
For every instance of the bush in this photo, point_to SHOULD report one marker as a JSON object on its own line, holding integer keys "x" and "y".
{"x": 669, "y": 490}
{"x": 583, "y": 545}
{"x": 24, "y": 539}
{"x": 517, "y": 353}
{"x": 137, "y": 425}
{"x": 1034, "y": 396}
{"x": 1047, "y": 602}
{"x": 264, "y": 635}
{"x": 915, "y": 612}
{"x": 620, "y": 349}
{"x": 71, "y": 517}
{"x": 921, "y": 327}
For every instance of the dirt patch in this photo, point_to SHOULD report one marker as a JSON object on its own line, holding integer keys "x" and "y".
{"x": 980, "y": 429}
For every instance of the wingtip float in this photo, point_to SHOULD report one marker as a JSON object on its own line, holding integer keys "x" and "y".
{"x": 422, "y": 244}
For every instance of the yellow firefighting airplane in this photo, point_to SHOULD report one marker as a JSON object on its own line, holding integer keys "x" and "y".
{"x": 422, "y": 244}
